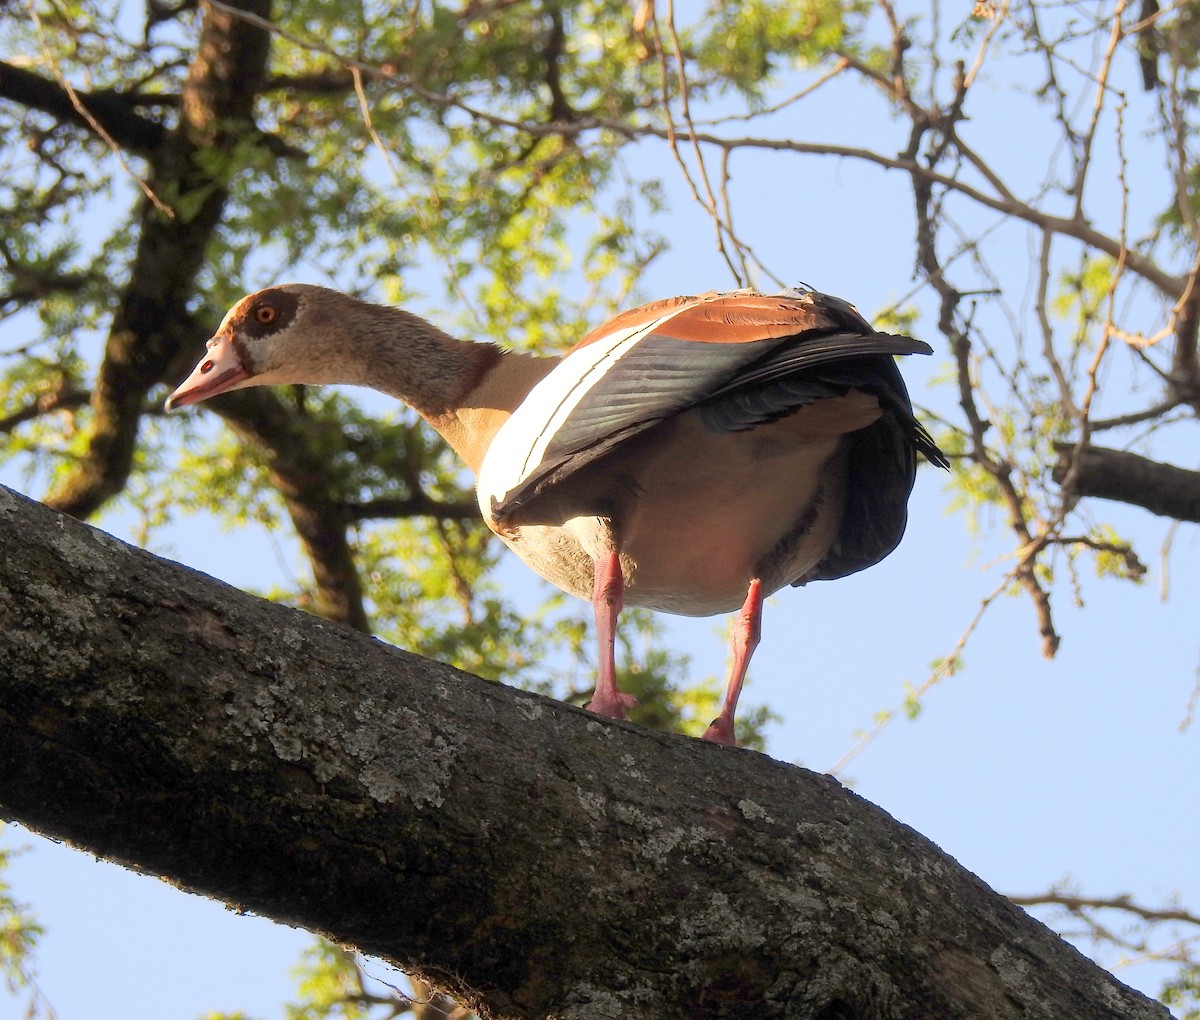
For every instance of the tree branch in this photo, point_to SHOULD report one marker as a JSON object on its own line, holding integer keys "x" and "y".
{"x": 114, "y": 111}
{"x": 1000, "y": 469}
{"x": 529, "y": 858}
{"x": 152, "y": 320}
{"x": 1078, "y": 904}
{"x": 1074, "y": 226}
{"x": 61, "y": 397}
{"x": 1162, "y": 489}
{"x": 419, "y": 504}
{"x": 1185, "y": 359}
{"x": 304, "y": 480}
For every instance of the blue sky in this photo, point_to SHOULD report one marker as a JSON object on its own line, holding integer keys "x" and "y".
{"x": 1028, "y": 772}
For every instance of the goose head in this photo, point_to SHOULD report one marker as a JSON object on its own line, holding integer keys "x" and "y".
{"x": 298, "y": 333}
{"x": 257, "y": 342}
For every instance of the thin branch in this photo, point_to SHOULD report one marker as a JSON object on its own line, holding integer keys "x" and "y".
{"x": 1102, "y": 89}
{"x": 60, "y": 398}
{"x": 1151, "y": 413}
{"x": 431, "y": 236}
{"x": 840, "y": 65}
{"x": 945, "y": 668}
{"x": 417, "y": 505}
{"x": 462, "y": 587}
{"x": 998, "y": 18}
{"x": 1133, "y": 564}
{"x": 113, "y": 110}
{"x": 1073, "y": 463}
{"x": 1193, "y": 700}
{"x": 1074, "y": 226}
{"x": 1001, "y": 471}
{"x": 708, "y": 202}
{"x": 1041, "y": 305}
{"x": 90, "y": 119}
{"x": 1123, "y": 902}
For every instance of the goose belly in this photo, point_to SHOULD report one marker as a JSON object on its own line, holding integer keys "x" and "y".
{"x": 739, "y": 507}
{"x": 695, "y": 516}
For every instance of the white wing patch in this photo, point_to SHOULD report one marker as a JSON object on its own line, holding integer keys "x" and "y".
{"x": 519, "y": 446}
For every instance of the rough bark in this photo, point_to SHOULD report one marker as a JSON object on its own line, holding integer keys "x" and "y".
{"x": 1129, "y": 478}
{"x": 527, "y": 857}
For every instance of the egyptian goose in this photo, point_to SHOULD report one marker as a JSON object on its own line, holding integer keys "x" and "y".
{"x": 692, "y": 455}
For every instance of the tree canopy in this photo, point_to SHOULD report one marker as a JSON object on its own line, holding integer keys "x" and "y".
{"x": 508, "y": 167}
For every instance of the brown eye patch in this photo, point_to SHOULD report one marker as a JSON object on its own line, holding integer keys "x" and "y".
{"x": 268, "y": 312}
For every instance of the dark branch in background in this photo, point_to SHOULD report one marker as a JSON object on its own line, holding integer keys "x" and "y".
{"x": 1148, "y": 46}
{"x": 304, "y": 479}
{"x": 1123, "y": 902}
{"x": 419, "y": 504}
{"x": 61, "y": 398}
{"x": 332, "y": 82}
{"x": 455, "y": 827}
{"x": 1130, "y": 478}
{"x": 114, "y": 111}
{"x": 28, "y": 284}
{"x": 158, "y": 12}
{"x": 560, "y": 107}
{"x": 152, "y": 322}
{"x": 1154, "y": 411}
{"x": 1185, "y": 359}
{"x": 296, "y": 450}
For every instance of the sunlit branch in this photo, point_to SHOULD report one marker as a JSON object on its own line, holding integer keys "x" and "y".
{"x": 985, "y": 43}
{"x": 1102, "y": 89}
{"x": 61, "y": 398}
{"x": 90, "y": 119}
{"x": 1074, "y": 226}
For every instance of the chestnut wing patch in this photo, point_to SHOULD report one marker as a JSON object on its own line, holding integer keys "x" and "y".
{"x": 737, "y": 358}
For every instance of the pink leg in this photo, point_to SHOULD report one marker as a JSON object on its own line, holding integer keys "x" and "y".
{"x": 608, "y": 595}
{"x": 747, "y": 629}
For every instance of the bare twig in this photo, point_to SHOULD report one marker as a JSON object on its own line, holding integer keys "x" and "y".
{"x": 1003, "y": 203}
{"x": 1102, "y": 89}
{"x": 708, "y": 201}
{"x": 431, "y": 236}
{"x": 90, "y": 119}
{"x": 944, "y": 669}
{"x": 1089, "y": 909}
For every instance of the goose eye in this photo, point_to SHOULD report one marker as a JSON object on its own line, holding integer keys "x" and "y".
{"x": 266, "y": 314}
